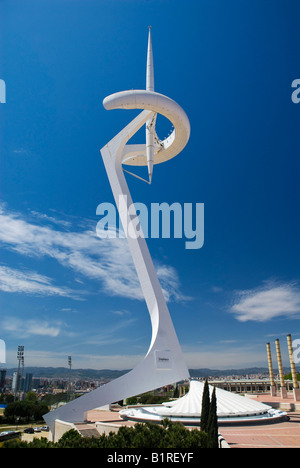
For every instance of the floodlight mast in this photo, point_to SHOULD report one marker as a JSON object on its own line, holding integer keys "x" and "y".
{"x": 70, "y": 373}
{"x": 20, "y": 357}
{"x": 164, "y": 362}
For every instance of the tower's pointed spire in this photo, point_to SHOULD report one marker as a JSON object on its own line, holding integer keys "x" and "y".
{"x": 150, "y": 69}
{"x": 149, "y": 124}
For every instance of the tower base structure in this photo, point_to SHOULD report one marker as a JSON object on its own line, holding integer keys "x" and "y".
{"x": 283, "y": 392}
{"x": 296, "y": 392}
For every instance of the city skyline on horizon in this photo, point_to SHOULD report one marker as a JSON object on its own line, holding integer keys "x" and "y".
{"x": 65, "y": 291}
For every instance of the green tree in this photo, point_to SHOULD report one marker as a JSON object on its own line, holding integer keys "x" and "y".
{"x": 289, "y": 376}
{"x": 6, "y": 398}
{"x": 176, "y": 435}
{"x": 35, "y": 443}
{"x": 24, "y": 411}
{"x": 212, "y": 425}
{"x": 149, "y": 435}
{"x": 52, "y": 399}
{"x": 70, "y": 439}
{"x": 131, "y": 400}
{"x": 205, "y": 407}
{"x": 31, "y": 396}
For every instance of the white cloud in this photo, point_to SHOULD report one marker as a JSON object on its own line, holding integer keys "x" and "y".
{"x": 29, "y": 282}
{"x": 27, "y": 328}
{"x": 51, "y": 219}
{"x": 216, "y": 289}
{"x": 170, "y": 283}
{"x": 121, "y": 313}
{"x": 107, "y": 261}
{"x": 268, "y": 302}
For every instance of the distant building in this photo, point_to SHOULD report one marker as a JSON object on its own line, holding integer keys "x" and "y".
{"x": 36, "y": 382}
{"x": 28, "y": 383}
{"x": 15, "y": 382}
{"x": 2, "y": 379}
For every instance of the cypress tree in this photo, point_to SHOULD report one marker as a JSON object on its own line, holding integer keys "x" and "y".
{"x": 205, "y": 408}
{"x": 176, "y": 392}
{"x": 212, "y": 425}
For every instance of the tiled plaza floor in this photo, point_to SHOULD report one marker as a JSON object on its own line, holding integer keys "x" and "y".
{"x": 285, "y": 434}
{"x": 279, "y": 435}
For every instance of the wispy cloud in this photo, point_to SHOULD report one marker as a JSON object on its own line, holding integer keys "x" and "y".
{"x": 51, "y": 219}
{"x": 267, "y": 302}
{"x": 121, "y": 313}
{"x": 170, "y": 283}
{"x": 216, "y": 289}
{"x": 22, "y": 151}
{"x": 110, "y": 335}
{"x": 27, "y": 328}
{"x": 30, "y": 282}
{"x": 107, "y": 261}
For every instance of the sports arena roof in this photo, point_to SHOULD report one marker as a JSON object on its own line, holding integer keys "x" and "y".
{"x": 187, "y": 409}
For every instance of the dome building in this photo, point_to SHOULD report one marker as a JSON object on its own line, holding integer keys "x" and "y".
{"x": 231, "y": 408}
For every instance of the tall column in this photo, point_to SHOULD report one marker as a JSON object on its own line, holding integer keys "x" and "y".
{"x": 281, "y": 376}
{"x": 296, "y": 389}
{"x": 272, "y": 382}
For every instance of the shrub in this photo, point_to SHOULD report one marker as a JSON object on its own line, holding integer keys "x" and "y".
{"x": 24, "y": 411}
{"x": 149, "y": 435}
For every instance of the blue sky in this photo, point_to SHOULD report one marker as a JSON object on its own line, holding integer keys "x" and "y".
{"x": 230, "y": 65}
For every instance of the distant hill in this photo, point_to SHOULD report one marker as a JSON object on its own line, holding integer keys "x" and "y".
{"x": 227, "y": 372}
{"x": 109, "y": 374}
{"x": 63, "y": 372}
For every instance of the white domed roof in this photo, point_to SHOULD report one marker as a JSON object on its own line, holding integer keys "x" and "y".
{"x": 231, "y": 408}
{"x": 228, "y": 404}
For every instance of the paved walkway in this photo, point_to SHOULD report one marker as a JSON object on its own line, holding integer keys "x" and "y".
{"x": 279, "y": 435}
{"x": 285, "y": 434}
